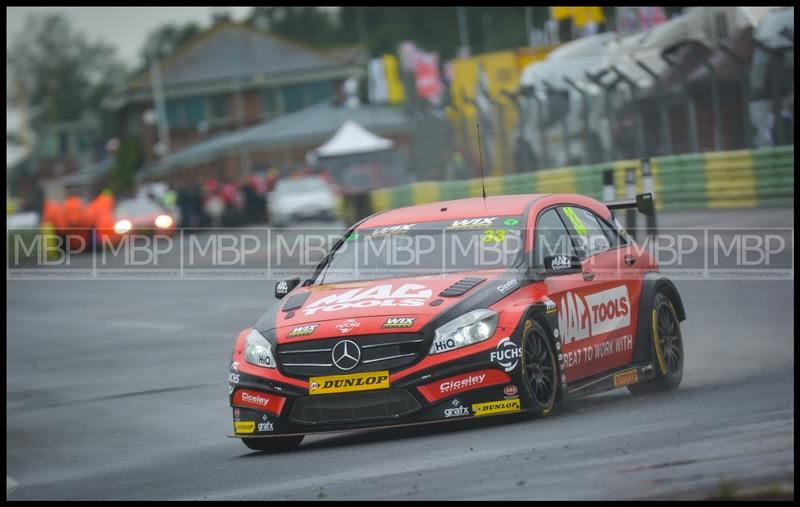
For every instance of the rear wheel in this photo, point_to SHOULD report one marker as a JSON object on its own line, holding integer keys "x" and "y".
{"x": 668, "y": 346}
{"x": 273, "y": 444}
{"x": 539, "y": 368}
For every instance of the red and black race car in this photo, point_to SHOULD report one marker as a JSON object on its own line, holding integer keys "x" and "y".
{"x": 458, "y": 309}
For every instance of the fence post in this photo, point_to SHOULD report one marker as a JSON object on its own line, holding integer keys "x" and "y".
{"x": 608, "y": 185}
{"x": 610, "y": 149}
{"x": 584, "y": 117}
{"x": 634, "y": 88}
{"x": 630, "y": 193}
{"x": 647, "y": 185}
{"x": 666, "y": 136}
{"x": 690, "y": 106}
{"x": 714, "y": 104}
{"x": 744, "y": 91}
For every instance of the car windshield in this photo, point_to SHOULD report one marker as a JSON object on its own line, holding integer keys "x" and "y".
{"x": 138, "y": 207}
{"x": 470, "y": 244}
{"x": 295, "y": 185}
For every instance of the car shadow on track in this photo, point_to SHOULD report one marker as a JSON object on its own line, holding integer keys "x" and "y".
{"x": 619, "y": 399}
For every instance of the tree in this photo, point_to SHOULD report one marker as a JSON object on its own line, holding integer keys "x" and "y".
{"x": 165, "y": 40}
{"x": 63, "y": 73}
{"x": 127, "y": 160}
{"x": 308, "y": 25}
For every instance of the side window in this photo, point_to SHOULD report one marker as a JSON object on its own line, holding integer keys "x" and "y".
{"x": 551, "y": 238}
{"x": 611, "y": 233}
{"x": 584, "y": 227}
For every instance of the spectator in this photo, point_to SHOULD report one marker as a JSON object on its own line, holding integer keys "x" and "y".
{"x": 214, "y": 204}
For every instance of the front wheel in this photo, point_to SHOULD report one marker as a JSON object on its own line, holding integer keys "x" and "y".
{"x": 539, "y": 369}
{"x": 668, "y": 346}
{"x": 274, "y": 444}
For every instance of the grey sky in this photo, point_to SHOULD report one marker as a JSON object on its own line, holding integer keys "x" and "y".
{"x": 124, "y": 27}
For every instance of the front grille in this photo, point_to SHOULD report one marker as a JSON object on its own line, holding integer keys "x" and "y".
{"x": 353, "y": 407}
{"x": 378, "y": 352}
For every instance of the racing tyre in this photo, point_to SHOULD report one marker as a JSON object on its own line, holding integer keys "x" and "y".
{"x": 275, "y": 444}
{"x": 668, "y": 344}
{"x": 539, "y": 369}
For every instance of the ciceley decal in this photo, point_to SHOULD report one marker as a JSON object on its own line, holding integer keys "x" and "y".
{"x": 599, "y": 313}
{"x": 408, "y": 294}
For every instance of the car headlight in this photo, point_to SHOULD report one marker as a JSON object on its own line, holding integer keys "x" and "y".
{"x": 122, "y": 226}
{"x": 163, "y": 221}
{"x": 258, "y": 351}
{"x": 473, "y": 327}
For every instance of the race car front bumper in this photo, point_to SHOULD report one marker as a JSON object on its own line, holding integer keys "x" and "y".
{"x": 469, "y": 386}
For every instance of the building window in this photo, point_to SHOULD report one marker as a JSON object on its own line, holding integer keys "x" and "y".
{"x": 186, "y": 113}
{"x": 304, "y": 95}
{"x": 219, "y": 107}
{"x": 269, "y": 103}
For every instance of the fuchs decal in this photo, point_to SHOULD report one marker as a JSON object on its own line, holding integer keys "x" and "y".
{"x": 347, "y": 326}
{"x": 398, "y": 322}
{"x": 510, "y": 390}
{"x": 406, "y": 295}
{"x": 506, "y": 354}
{"x": 583, "y": 317}
{"x": 302, "y": 330}
{"x": 469, "y": 223}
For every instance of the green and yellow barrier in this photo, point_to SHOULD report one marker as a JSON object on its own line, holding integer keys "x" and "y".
{"x": 725, "y": 179}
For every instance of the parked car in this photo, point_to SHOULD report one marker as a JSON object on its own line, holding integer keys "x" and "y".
{"x": 301, "y": 198}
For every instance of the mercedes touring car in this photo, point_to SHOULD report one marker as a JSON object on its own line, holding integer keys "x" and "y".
{"x": 458, "y": 309}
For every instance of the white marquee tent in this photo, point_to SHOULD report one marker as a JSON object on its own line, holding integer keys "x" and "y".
{"x": 351, "y": 139}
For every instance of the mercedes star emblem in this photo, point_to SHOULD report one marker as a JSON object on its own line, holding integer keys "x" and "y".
{"x": 346, "y": 355}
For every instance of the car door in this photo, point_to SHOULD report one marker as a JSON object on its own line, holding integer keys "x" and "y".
{"x": 569, "y": 292}
{"x": 599, "y": 310}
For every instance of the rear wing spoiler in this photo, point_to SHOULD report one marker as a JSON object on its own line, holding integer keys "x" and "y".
{"x": 643, "y": 204}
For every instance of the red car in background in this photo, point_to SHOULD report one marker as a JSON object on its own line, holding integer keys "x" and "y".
{"x": 508, "y": 304}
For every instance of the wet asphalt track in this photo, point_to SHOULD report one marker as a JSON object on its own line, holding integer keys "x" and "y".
{"x": 118, "y": 390}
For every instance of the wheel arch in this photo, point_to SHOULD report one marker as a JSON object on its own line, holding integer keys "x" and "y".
{"x": 545, "y": 314}
{"x": 653, "y": 283}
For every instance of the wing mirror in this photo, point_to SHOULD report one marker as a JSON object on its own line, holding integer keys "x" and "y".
{"x": 284, "y": 287}
{"x": 555, "y": 265}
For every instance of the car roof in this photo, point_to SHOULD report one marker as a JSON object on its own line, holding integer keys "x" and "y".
{"x": 475, "y": 207}
{"x": 453, "y": 210}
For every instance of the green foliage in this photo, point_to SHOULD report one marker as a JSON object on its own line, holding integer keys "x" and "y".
{"x": 126, "y": 161}
{"x": 165, "y": 40}
{"x": 308, "y": 25}
{"x": 382, "y": 29}
{"x": 61, "y": 71}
